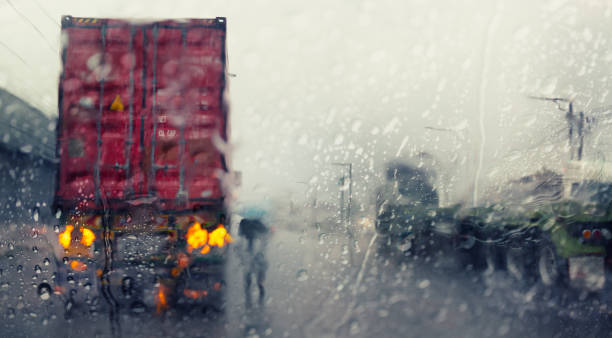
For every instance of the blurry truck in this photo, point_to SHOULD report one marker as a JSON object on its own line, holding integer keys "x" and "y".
{"x": 546, "y": 232}
{"x": 141, "y": 187}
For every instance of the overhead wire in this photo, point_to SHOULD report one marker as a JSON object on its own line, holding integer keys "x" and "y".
{"x": 46, "y": 13}
{"x": 25, "y": 18}
{"x": 15, "y": 54}
{"x": 38, "y": 31}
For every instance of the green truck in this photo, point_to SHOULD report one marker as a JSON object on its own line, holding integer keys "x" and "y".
{"x": 560, "y": 241}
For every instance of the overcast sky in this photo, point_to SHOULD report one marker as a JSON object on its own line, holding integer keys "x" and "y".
{"x": 358, "y": 81}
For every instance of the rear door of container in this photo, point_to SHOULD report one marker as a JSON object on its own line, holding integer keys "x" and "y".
{"x": 188, "y": 81}
{"x": 140, "y": 106}
{"x": 97, "y": 110}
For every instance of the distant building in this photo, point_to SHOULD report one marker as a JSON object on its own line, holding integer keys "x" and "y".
{"x": 27, "y": 160}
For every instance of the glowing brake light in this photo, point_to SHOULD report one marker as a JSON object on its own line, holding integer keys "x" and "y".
{"x": 200, "y": 238}
{"x": 78, "y": 266}
{"x": 586, "y": 234}
{"x": 65, "y": 237}
{"x": 88, "y": 236}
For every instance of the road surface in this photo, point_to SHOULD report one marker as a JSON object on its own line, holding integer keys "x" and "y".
{"x": 312, "y": 290}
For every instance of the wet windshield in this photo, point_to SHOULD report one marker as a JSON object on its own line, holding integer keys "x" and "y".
{"x": 318, "y": 169}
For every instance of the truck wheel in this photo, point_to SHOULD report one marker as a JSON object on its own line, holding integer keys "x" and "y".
{"x": 495, "y": 258}
{"x": 548, "y": 265}
{"x": 517, "y": 265}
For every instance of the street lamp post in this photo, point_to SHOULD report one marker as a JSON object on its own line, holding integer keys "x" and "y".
{"x": 346, "y": 218}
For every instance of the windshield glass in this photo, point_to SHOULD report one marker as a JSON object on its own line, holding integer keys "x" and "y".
{"x": 318, "y": 169}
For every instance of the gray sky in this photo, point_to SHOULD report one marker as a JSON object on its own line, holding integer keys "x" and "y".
{"x": 357, "y": 81}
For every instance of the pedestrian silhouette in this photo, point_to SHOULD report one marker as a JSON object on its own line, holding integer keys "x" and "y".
{"x": 255, "y": 232}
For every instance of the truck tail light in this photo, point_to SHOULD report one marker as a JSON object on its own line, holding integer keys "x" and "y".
{"x": 597, "y": 234}
{"x": 586, "y": 234}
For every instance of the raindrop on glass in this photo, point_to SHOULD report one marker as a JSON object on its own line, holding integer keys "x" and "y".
{"x": 10, "y": 313}
{"x": 424, "y": 284}
{"x": 68, "y": 305}
{"x": 127, "y": 285}
{"x": 302, "y": 275}
{"x": 137, "y": 307}
{"x": 44, "y": 291}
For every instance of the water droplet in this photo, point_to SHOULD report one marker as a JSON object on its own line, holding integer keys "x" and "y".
{"x": 46, "y": 261}
{"x": 87, "y": 286}
{"x": 19, "y": 268}
{"x": 65, "y": 260}
{"x": 44, "y": 291}
{"x": 137, "y": 307}
{"x": 68, "y": 305}
{"x": 424, "y": 283}
{"x": 354, "y": 328}
{"x": 56, "y": 229}
{"x": 35, "y": 249}
{"x": 26, "y": 148}
{"x": 302, "y": 275}
{"x": 11, "y": 246}
{"x": 127, "y": 286}
{"x": 35, "y": 216}
{"x": 503, "y": 330}
{"x": 10, "y": 313}
{"x": 37, "y": 269}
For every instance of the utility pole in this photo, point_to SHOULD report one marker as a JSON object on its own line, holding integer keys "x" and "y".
{"x": 346, "y": 216}
{"x": 342, "y": 183}
{"x": 571, "y": 122}
{"x": 581, "y": 135}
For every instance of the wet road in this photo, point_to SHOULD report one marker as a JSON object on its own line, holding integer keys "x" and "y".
{"x": 312, "y": 290}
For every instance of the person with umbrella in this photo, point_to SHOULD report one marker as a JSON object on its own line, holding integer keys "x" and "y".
{"x": 253, "y": 229}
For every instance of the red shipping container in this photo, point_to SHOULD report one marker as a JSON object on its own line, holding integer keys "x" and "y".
{"x": 141, "y": 109}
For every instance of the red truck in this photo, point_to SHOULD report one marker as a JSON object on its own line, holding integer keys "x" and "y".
{"x": 141, "y": 180}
